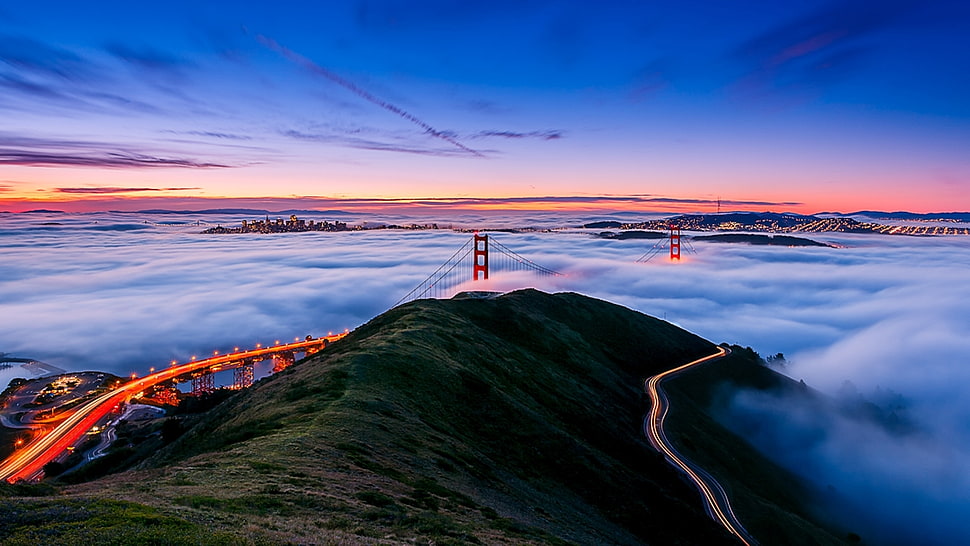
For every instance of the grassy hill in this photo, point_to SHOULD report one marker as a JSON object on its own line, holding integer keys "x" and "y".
{"x": 773, "y": 504}
{"x": 506, "y": 420}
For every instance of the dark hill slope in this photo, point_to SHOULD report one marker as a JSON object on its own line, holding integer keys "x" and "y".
{"x": 509, "y": 420}
{"x": 774, "y": 504}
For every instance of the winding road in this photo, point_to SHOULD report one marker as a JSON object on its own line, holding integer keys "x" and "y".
{"x": 716, "y": 502}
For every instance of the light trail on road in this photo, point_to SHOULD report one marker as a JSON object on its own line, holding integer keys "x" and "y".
{"x": 28, "y": 462}
{"x": 716, "y": 502}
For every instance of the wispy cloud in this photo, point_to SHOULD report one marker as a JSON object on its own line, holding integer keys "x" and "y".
{"x": 35, "y": 57}
{"x": 570, "y": 199}
{"x": 54, "y": 76}
{"x": 212, "y": 134}
{"x": 516, "y": 135}
{"x": 113, "y": 190}
{"x": 28, "y": 151}
{"x": 487, "y": 209}
{"x": 816, "y": 48}
{"x": 18, "y": 84}
{"x": 147, "y": 57}
{"x": 110, "y": 160}
{"x": 364, "y": 94}
{"x": 351, "y": 141}
{"x": 486, "y": 107}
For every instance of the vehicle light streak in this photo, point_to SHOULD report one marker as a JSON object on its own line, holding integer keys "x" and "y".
{"x": 716, "y": 502}
{"x": 27, "y": 463}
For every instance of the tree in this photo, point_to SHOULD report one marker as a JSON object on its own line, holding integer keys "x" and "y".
{"x": 53, "y": 469}
{"x": 171, "y": 430}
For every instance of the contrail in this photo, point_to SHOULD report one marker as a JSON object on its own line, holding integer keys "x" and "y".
{"x": 362, "y": 93}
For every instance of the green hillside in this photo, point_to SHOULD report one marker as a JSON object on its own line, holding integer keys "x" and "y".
{"x": 507, "y": 420}
{"x": 771, "y": 502}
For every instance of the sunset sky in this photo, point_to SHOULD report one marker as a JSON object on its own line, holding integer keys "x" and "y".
{"x": 801, "y": 106}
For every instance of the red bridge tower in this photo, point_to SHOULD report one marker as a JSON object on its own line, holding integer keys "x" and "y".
{"x": 481, "y": 257}
{"x": 674, "y": 242}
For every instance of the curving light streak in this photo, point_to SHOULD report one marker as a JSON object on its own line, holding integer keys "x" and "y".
{"x": 716, "y": 502}
{"x": 27, "y": 463}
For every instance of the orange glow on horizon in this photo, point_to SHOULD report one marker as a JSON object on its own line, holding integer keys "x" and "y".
{"x": 442, "y": 207}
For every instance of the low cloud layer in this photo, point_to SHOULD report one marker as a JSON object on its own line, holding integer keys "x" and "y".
{"x": 115, "y": 293}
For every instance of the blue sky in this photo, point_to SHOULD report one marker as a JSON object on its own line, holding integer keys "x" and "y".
{"x": 805, "y": 105}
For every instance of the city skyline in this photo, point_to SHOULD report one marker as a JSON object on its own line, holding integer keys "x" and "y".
{"x": 803, "y": 107}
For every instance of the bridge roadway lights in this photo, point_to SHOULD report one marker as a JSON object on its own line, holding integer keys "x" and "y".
{"x": 480, "y": 256}
{"x": 314, "y": 350}
{"x": 27, "y": 461}
{"x": 282, "y": 361}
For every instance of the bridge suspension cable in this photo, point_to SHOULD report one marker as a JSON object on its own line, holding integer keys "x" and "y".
{"x": 472, "y": 262}
{"x": 515, "y": 262}
{"x": 674, "y": 242}
{"x": 656, "y": 249}
{"x": 441, "y": 279}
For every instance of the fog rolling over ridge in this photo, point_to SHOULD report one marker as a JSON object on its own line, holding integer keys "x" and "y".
{"x": 891, "y": 312}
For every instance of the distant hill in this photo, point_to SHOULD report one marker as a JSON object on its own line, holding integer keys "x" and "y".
{"x": 758, "y": 239}
{"x": 903, "y": 215}
{"x": 632, "y": 234}
{"x": 502, "y": 420}
{"x": 606, "y": 224}
{"x": 771, "y": 222}
{"x": 249, "y": 212}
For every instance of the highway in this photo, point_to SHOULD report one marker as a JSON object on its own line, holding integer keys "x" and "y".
{"x": 27, "y": 463}
{"x": 716, "y": 502}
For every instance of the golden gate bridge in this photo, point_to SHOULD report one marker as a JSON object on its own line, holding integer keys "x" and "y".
{"x": 473, "y": 261}
{"x": 673, "y": 242}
